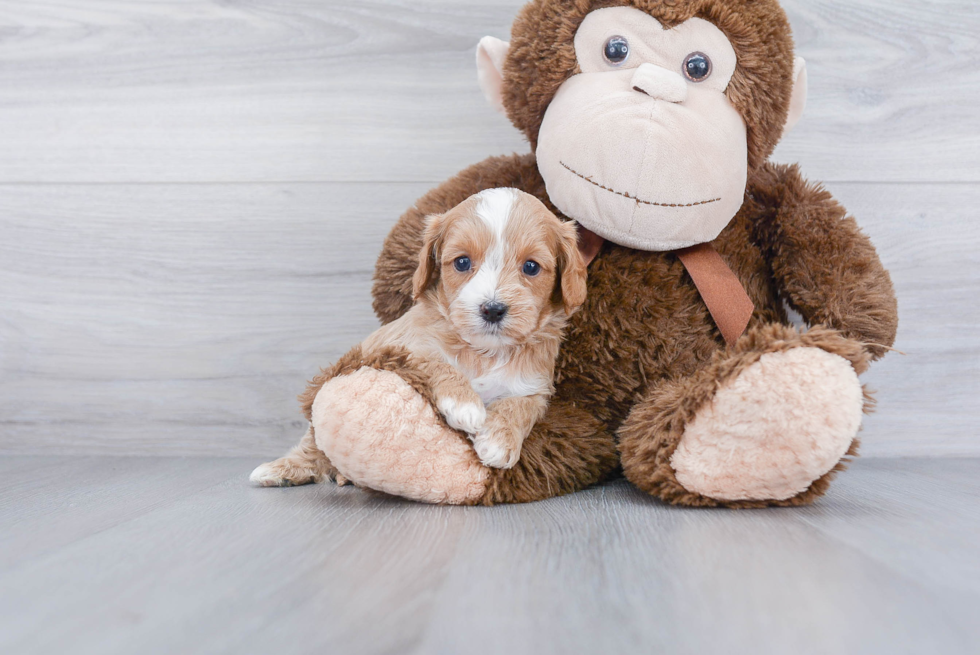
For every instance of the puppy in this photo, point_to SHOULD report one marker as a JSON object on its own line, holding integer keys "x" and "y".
{"x": 497, "y": 279}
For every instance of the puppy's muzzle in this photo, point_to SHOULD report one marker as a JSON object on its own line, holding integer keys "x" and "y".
{"x": 493, "y": 312}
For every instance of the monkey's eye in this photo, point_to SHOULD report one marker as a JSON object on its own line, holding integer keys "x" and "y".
{"x": 462, "y": 264}
{"x": 616, "y": 50}
{"x": 697, "y": 67}
{"x": 531, "y": 268}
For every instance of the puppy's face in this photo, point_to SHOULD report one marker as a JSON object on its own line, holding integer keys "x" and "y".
{"x": 500, "y": 265}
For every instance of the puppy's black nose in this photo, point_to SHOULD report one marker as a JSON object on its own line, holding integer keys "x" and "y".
{"x": 493, "y": 312}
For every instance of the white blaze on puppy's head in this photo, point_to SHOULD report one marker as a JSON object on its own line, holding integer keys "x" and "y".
{"x": 494, "y": 207}
{"x": 479, "y": 294}
{"x": 500, "y": 265}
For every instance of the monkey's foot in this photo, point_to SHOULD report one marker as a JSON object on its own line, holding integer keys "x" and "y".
{"x": 781, "y": 424}
{"x": 760, "y": 426}
{"x": 381, "y": 433}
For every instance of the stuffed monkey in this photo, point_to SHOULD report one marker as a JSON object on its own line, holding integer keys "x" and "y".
{"x": 650, "y": 123}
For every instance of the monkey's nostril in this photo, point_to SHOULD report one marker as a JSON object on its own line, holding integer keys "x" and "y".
{"x": 636, "y": 88}
{"x": 493, "y": 311}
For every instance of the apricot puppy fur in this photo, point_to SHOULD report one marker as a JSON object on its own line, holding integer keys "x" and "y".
{"x": 498, "y": 277}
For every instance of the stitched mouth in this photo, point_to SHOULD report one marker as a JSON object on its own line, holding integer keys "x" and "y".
{"x": 634, "y": 198}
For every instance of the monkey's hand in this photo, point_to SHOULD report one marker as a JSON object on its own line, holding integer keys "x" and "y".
{"x": 826, "y": 267}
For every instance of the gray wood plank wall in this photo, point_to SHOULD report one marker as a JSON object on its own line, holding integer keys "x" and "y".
{"x": 193, "y": 193}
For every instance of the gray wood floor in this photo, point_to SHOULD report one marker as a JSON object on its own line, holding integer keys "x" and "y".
{"x": 169, "y": 555}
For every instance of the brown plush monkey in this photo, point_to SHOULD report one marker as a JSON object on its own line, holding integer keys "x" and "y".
{"x": 651, "y": 122}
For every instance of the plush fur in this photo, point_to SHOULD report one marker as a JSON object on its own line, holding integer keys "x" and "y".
{"x": 804, "y": 401}
{"x": 643, "y": 359}
{"x": 644, "y": 326}
{"x": 411, "y": 453}
{"x": 651, "y": 436}
{"x": 437, "y": 468}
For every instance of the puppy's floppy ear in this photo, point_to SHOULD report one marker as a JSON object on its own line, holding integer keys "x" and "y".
{"x": 428, "y": 269}
{"x": 571, "y": 267}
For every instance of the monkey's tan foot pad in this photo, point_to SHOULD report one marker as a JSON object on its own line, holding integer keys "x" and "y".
{"x": 768, "y": 433}
{"x": 381, "y": 434}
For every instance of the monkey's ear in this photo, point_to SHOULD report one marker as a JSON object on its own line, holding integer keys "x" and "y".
{"x": 490, "y": 55}
{"x": 797, "y": 102}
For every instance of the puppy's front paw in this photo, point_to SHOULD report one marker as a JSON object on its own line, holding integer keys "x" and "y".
{"x": 496, "y": 450}
{"x": 466, "y": 416}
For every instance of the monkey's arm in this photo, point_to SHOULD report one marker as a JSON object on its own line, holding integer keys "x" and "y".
{"x": 826, "y": 267}
{"x": 400, "y": 254}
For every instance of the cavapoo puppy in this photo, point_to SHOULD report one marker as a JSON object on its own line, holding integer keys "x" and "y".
{"x": 497, "y": 279}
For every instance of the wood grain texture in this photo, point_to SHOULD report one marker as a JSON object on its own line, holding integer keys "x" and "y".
{"x": 180, "y": 319}
{"x": 886, "y": 563}
{"x": 193, "y": 193}
{"x": 929, "y": 239}
{"x": 184, "y": 319}
{"x": 197, "y": 90}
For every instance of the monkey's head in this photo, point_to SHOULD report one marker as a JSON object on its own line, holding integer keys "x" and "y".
{"x": 646, "y": 115}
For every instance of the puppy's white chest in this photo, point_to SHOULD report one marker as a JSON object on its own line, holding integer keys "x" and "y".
{"x": 499, "y": 384}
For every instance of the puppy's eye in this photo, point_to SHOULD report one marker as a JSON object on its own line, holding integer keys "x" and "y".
{"x": 616, "y": 50}
{"x": 462, "y": 264}
{"x": 531, "y": 268}
{"x": 697, "y": 67}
